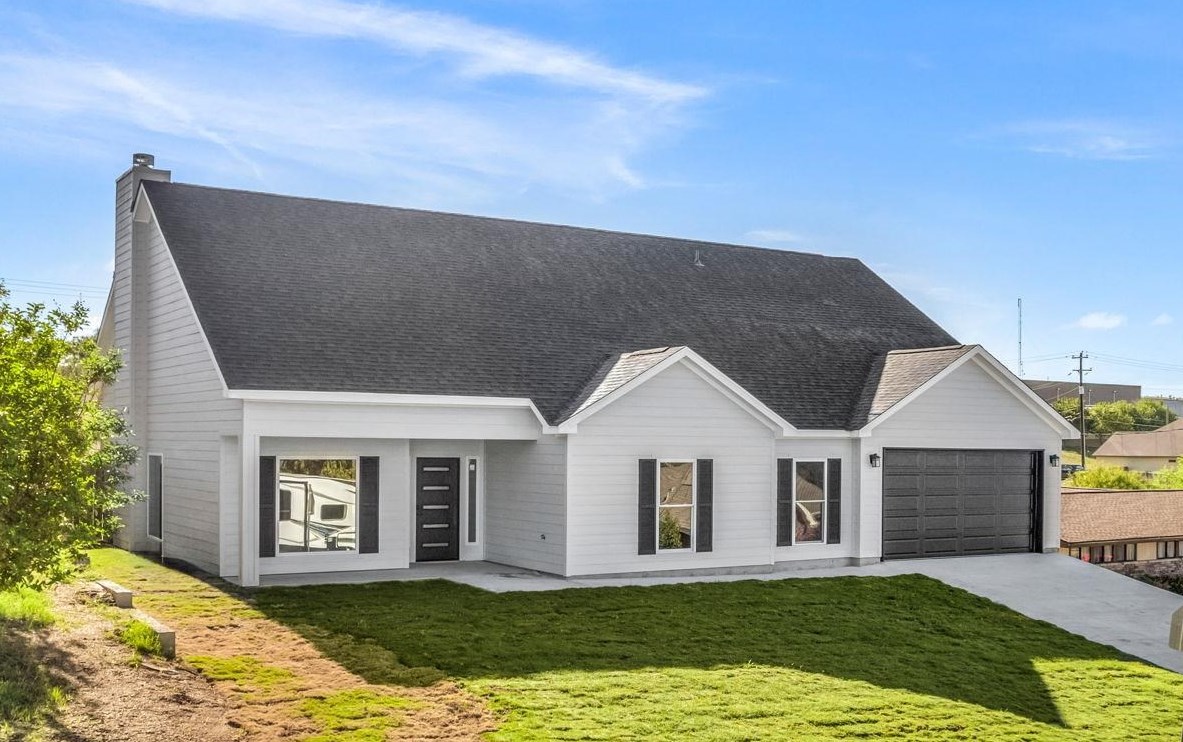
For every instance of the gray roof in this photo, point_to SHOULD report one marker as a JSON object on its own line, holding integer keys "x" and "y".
{"x": 306, "y": 294}
{"x": 615, "y": 373}
{"x": 1166, "y": 442}
{"x": 898, "y": 374}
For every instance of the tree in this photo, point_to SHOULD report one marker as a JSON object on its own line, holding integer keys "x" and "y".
{"x": 62, "y": 464}
{"x": 1106, "y": 418}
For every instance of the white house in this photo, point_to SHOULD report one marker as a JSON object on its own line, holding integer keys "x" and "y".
{"x": 318, "y": 387}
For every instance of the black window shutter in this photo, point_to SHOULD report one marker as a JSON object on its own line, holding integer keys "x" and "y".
{"x": 267, "y": 522}
{"x": 784, "y": 502}
{"x": 706, "y": 501}
{"x": 647, "y": 506}
{"x": 834, "y": 501}
{"x": 367, "y": 505}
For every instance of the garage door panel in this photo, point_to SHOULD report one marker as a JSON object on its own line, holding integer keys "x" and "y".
{"x": 949, "y": 502}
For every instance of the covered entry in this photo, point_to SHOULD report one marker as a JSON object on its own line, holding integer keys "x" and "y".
{"x": 955, "y": 502}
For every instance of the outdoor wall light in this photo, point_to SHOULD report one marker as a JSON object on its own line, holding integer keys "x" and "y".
{"x": 875, "y": 459}
{"x": 1054, "y": 459}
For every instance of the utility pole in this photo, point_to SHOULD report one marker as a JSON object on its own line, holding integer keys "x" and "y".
{"x": 1080, "y": 372}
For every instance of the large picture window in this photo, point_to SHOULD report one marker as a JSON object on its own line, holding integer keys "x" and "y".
{"x": 809, "y": 502}
{"x": 675, "y": 505}
{"x": 317, "y": 505}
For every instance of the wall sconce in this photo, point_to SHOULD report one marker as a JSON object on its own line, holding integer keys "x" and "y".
{"x": 875, "y": 459}
{"x": 1054, "y": 459}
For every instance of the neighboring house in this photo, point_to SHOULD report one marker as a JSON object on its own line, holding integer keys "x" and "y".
{"x": 1052, "y": 391}
{"x": 1102, "y": 526}
{"x": 1144, "y": 452}
{"x": 319, "y": 387}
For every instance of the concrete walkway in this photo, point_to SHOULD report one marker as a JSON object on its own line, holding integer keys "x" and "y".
{"x": 1100, "y": 605}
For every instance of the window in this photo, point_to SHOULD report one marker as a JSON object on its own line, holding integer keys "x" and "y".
{"x": 155, "y": 495}
{"x": 335, "y": 511}
{"x": 809, "y": 502}
{"x": 1112, "y": 553}
{"x": 675, "y": 505}
{"x": 1169, "y": 549}
{"x": 317, "y": 505}
{"x": 1074, "y": 552}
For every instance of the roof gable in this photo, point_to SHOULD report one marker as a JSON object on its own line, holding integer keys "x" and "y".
{"x": 311, "y": 295}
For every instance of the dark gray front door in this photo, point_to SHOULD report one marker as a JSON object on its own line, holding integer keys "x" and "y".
{"x": 945, "y": 502}
{"x": 437, "y": 509}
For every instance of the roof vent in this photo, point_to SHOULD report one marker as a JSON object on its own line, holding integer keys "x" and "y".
{"x": 698, "y": 260}
{"x": 143, "y": 159}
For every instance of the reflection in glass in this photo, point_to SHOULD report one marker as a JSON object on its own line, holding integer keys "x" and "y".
{"x": 317, "y": 505}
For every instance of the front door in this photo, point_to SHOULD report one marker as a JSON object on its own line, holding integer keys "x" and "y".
{"x": 437, "y": 509}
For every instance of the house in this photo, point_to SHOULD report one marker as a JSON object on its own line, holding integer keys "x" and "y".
{"x": 1104, "y": 526}
{"x": 320, "y": 387}
{"x": 1143, "y": 451}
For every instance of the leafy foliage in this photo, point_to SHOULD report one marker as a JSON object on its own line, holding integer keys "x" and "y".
{"x": 1169, "y": 478}
{"x": 61, "y": 462}
{"x": 1109, "y": 478}
{"x": 669, "y": 533}
{"x": 1106, "y": 418}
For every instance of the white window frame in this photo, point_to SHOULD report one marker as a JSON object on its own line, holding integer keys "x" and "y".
{"x": 356, "y": 505}
{"x": 693, "y": 506}
{"x": 148, "y": 500}
{"x": 825, "y": 501}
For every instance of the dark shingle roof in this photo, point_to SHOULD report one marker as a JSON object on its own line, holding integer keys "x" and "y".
{"x": 897, "y": 374}
{"x": 305, "y": 294}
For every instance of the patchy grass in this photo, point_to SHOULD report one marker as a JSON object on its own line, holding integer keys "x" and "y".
{"x": 358, "y": 715}
{"x": 140, "y": 637}
{"x": 249, "y": 674}
{"x": 829, "y": 658}
{"x": 169, "y": 591}
{"x": 26, "y": 607}
{"x": 29, "y": 694}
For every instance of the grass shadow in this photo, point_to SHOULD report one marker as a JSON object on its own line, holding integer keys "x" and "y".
{"x": 907, "y": 632}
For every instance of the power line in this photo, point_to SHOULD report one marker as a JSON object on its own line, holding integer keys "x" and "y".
{"x": 50, "y": 284}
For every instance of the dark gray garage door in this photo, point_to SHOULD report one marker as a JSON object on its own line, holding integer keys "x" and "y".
{"x": 943, "y": 502}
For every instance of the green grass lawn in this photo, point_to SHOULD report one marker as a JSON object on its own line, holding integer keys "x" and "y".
{"x": 29, "y": 693}
{"x": 871, "y": 657}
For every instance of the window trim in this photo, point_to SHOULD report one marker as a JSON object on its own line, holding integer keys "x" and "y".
{"x": 355, "y": 551}
{"x": 693, "y": 506}
{"x": 148, "y": 501}
{"x": 825, "y": 501}
{"x": 1160, "y": 547}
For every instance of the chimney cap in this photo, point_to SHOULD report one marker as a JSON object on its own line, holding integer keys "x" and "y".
{"x": 143, "y": 159}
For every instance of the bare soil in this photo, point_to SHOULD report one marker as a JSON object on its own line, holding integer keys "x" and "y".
{"x": 111, "y": 699}
{"x": 160, "y": 700}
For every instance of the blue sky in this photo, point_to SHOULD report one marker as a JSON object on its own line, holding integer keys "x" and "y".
{"x": 971, "y": 153}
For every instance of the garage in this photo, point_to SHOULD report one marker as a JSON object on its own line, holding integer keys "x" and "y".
{"x": 957, "y": 502}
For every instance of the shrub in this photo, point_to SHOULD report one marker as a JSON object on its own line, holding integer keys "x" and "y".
{"x": 1108, "y": 477}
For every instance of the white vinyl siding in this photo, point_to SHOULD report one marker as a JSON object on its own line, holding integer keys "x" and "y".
{"x": 966, "y": 409}
{"x": 525, "y": 484}
{"x": 186, "y": 412}
{"x": 675, "y": 415}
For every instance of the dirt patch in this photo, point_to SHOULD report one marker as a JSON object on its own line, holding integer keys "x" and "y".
{"x": 266, "y": 673}
{"x": 112, "y": 700}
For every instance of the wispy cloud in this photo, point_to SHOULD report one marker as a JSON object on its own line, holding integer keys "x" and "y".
{"x": 1162, "y": 320}
{"x": 779, "y": 236}
{"x": 1100, "y": 321}
{"x": 1084, "y": 139}
{"x": 481, "y": 50}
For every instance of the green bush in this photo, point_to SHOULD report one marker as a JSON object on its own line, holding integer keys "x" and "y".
{"x": 1169, "y": 478}
{"x": 1109, "y": 478}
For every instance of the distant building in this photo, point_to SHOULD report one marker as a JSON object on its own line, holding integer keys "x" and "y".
{"x": 1174, "y": 404}
{"x": 1051, "y": 391}
{"x": 1144, "y": 452}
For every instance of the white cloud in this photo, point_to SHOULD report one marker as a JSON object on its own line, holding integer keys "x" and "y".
{"x": 773, "y": 235}
{"x": 1162, "y": 319}
{"x": 1084, "y": 139}
{"x": 483, "y": 51}
{"x": 1100, "y": 321}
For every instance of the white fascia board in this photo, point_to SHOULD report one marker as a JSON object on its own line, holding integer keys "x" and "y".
{"x": 705, "y": 370}
{"x": 994, "y": 370}
{"x": 108, "y": 313}
{"x": 146, "y": 214}
{"x": 378, "y": 398}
